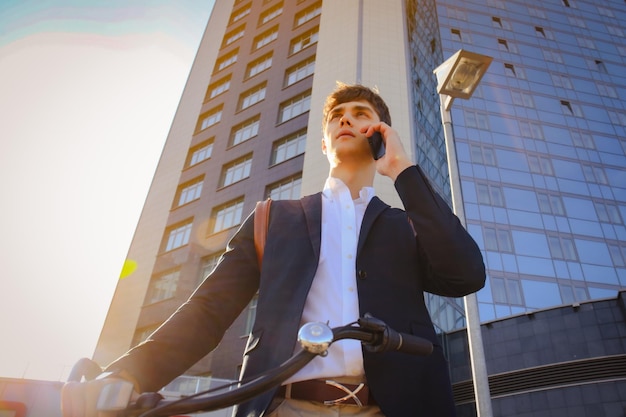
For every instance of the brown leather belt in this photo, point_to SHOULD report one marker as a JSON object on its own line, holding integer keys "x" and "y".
{"x": 328, "y": 392}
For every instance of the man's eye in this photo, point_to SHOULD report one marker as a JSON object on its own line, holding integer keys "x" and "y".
{"x": 335, "y": 116}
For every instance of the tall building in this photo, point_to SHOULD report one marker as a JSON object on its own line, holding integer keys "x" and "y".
{"x": 541, "y": 146}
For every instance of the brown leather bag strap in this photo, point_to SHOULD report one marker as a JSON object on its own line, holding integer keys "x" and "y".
{"x": 261, "y": 224}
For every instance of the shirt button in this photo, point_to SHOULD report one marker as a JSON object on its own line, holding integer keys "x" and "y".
{"x": 350, "y": 289}
{"x": 349, "y": 256}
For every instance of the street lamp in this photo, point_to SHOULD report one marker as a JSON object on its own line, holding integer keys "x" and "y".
{"x": 458, "y": 77}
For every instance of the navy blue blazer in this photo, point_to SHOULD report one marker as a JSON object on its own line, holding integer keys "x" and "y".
{"x": 400, "y": 254}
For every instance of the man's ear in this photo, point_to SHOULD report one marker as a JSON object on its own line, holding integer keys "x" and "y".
{"x": 323, "y": 146}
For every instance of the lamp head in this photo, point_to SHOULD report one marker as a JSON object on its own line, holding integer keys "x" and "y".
{"x": 460, "y": 74}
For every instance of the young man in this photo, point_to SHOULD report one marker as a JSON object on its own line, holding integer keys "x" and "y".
{"x": 330, "y": 257}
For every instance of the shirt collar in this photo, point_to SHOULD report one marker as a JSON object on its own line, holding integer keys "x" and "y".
{"x": 334, "y": 186}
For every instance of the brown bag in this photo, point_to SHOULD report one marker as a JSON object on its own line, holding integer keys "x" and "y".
{"x": 261, "y": 223}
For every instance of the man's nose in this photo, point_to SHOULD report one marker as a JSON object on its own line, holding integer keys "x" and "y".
{"x": 345, "y": 121}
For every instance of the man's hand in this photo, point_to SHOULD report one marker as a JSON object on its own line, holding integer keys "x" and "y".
{"x": 395, "y": 159}
{"x": 81, "y": 399}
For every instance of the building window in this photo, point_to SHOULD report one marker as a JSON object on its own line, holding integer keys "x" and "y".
{"x": 499, "y": 4}
{"x": 607, "y": 90}
{"x": 251, "y": 315}
{"x": 163, "y": 287}
{"x": 599, "y": 65}
{"x": 618, "y": 255}
{"x": 552, "y": 56}
{"x": 288, "y": 147}
{"x": 259, "y": 65}
{"x": 562, "y": 248}
{"x": 595, "y": 174}
{"x": 200, "y": 153}
{"x": 227, "y": 216}
{"x": 295, "y": 107}
{"x": 571, "y": 294}
{"x": 240, "y": 13}
{"x": 617, "y": 118}
{"x": 550, "y": 204}
{"x": 300, "y": 71}
{"x": 583, "y": 140}
{"x": 476, "y": 119}
{"x": 576, "y": 21}
{"x": 561, "y": 80}
{"x": 226, "y": 60}
{"x": 608, "y": 213}
{"x": 490, "y": 195}
{"x": 571, "y": 109}
{"x": 219, "y": 87}
{"x": 211, "y": 118}
{"x": 308, "y": 14}
{"x": 244, "y": 131}
{"x": 459, "y": 36}
{"x": 233, "y": 36}
{"x": 271, "y": 13}
{"x": 536, "y": 12}
{"x": 189, "y": 192}
{"x": 539, "y": 30}
{"x": 603, "y": 11}
{"x": 540, "y": 165}
{"x": 455, "y": 13}
{"x": 482, "y": 155}
{"x": 288, "y": 189}
{"x": 499, "y": 23}
{"x": 252, "y": 96}
{"x": 265, "y": 38}
{"x": 544, "y": 33}
{"x": 615, "y": 31}
{"x": 304, "y": 41}
{"x": 531, "y": 130}
{"x": 236, "y": 170}
{"x": 511, "y": 70}
{"x": 506, "y": 291}
{"x": 586, "y": 43}
{"x": 498, "y": 240}
{"x": 208, "y": 265}
{"x": 178, "y": 236}
{"x": 522, "y": 99}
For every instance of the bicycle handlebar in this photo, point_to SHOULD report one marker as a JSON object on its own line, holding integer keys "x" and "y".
{"x": 315, "y": 338}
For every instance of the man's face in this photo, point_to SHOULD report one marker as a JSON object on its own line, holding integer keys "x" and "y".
{"x": 342, "y": 132}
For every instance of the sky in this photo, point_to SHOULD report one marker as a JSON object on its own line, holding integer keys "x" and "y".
{"x": 88, "y": 91}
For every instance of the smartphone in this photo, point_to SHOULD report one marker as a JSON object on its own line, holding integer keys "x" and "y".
{"x": 377, "y": 145}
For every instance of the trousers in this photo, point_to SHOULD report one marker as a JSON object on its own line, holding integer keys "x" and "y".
{"x": 298, "y": 408}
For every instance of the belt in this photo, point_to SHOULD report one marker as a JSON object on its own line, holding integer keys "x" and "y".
{"x": 328, "y": 392}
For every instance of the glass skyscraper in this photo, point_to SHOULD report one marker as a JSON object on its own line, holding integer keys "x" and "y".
{"x": 541, "y": 148}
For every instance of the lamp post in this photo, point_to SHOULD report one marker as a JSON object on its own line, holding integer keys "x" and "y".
{"x": 458, "y": 77}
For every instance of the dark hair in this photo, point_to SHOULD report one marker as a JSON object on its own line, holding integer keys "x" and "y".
{"x": 344, "y": 93}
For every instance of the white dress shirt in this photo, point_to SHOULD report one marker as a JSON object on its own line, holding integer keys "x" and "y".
{"x": 333, "y": 296}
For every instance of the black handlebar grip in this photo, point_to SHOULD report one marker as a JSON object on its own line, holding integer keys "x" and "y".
{"x": 408, "y": 343}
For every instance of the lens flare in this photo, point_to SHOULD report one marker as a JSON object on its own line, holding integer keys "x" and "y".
{"x": 128, "y": 268}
